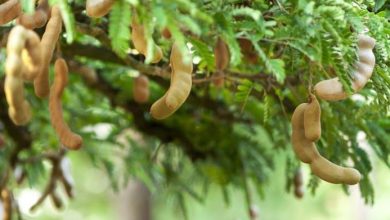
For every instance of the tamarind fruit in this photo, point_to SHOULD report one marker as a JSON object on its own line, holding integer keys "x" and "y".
{"x": 6, "y": 199}
{"x": 48, "y": 43}
{"x": 307, "y": 152}
{"x": 9, "y": 10}
{"x": 20, "y": 66}
{"x": 298, "y": 184}
{"x": 67, "y": 137}
{"x": 140, "y": 42}
{"x": 38, "y": 18}
{"x": 248, "y": 50}
{"x": 312, "y": 119}
{"x": 98, "y": 8}
{"x": 222, "y": 57}
{"x": 141, "y": 89}
{"x": 180, "y": 87}
{"x": 166, "y": 33}
{"x": 332, "y": 89}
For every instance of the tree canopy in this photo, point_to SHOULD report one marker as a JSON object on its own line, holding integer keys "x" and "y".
{"x": 237, "y": 115}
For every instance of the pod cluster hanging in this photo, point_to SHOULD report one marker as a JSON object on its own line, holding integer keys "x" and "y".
{"x": 28, "y": 60}
{"x": 306, "y": 119}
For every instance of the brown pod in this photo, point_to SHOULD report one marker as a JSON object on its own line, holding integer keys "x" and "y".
{"x": 248, "y": 50}
{"x": 222, "y": 54}
{"x": 141, "y": 89}
{"x": 299, "y": 192}
{"x": 298, "y": 178}
{"x": 9, "y": 10}
{"x": 180, "y": 87}
{"x": 6, "y": 199}
{"x": 307, "y": 152}
{"x": 332, "y": 89}
{"x": 38, "y": 18}
{"x": 98, "y": 8}
{"x": 312, "y": 119}
{"x": 20, "y": 66}
{"x": 67, "y": 137}
{"x": 48, "y": 43}
{"x": 140, "y": 42}
{"x": 166, "y": 33}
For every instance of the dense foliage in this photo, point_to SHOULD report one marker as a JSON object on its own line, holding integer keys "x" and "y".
{"x": 224, "y": 136}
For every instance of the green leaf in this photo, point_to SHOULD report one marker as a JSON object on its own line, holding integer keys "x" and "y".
{"x": 276, "y": 66}
{"x": 119, "y": 27}
{"x": 379, "y": 4}
{"x": 69, "y": 20}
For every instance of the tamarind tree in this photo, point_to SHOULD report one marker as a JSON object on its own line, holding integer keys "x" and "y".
{"x": 229, "y": 103}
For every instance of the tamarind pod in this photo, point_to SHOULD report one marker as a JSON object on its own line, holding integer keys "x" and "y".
{"x": 98, "y": 8}
{"x": 298, "y": 178}
{"x": 31, "y": 56}
{"x": 166, "y": 33}
{"x": 9, "y": 10}
{"x": 305, "y": 149}
{"x": 181, "y": 82}
{"x": 332, "y": 89}
{"x": 48, "y": 43}
{"x": 38, "y": 18}
{"x": 312, "y": 119}
{"x": 299, "y": 192}
{"x": 307, "y": 153}
{"x": 333, "y": 173}
{"x": 6, "y": 199}
{"x": 67, "y": 137}
{"x": 140, "y": 42}
{"x": 19, "y": 109}
{"x": 221, "y": 54}
{"x": 248, "y": 50}
{"x": 141, "y": 89}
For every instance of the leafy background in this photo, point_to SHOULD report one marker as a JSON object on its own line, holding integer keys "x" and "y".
{"x": 231, "y": 139}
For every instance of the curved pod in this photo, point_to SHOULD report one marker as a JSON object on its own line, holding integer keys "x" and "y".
{"x": 180, "y": 87}
{"x": 23, "y": 61}
{"x": 38, "y": 18}
{"x": 98, "y": 8}
{"x": 140, "y": 42}
{"x": 48, "y": 43}
{"x": 332, "y": 89}
{"x": 307, "y": 152}
{"x": 9, "y": 10}
{"x": 67, "y": 137}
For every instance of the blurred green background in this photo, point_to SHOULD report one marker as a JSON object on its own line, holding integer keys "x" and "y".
{"x": 95, "y": 200}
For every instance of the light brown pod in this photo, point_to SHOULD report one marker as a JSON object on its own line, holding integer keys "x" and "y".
{"x": 140, "y": 42}
{"x": 332, "y": 89}
{"x": 38, "y": 18}
{"x": 9, "y": 10}
{"x": 89, "y": 74}
{"x": 307, "y": 152}
{"x": 221, "y": 54}
{"x": 299, "y": 192}
{"x": 222, "y": 57}
{"x": 166, "y": 33}
{"x": 20, "y": 66}
{"x": 141, "y": 89}
{"x": 98, "y": 8}
{"x": 312, "y": 119}
{"x": 48, "y": 43}
{"x": 67, "y": 137}
{"x": 180, "y": 88}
